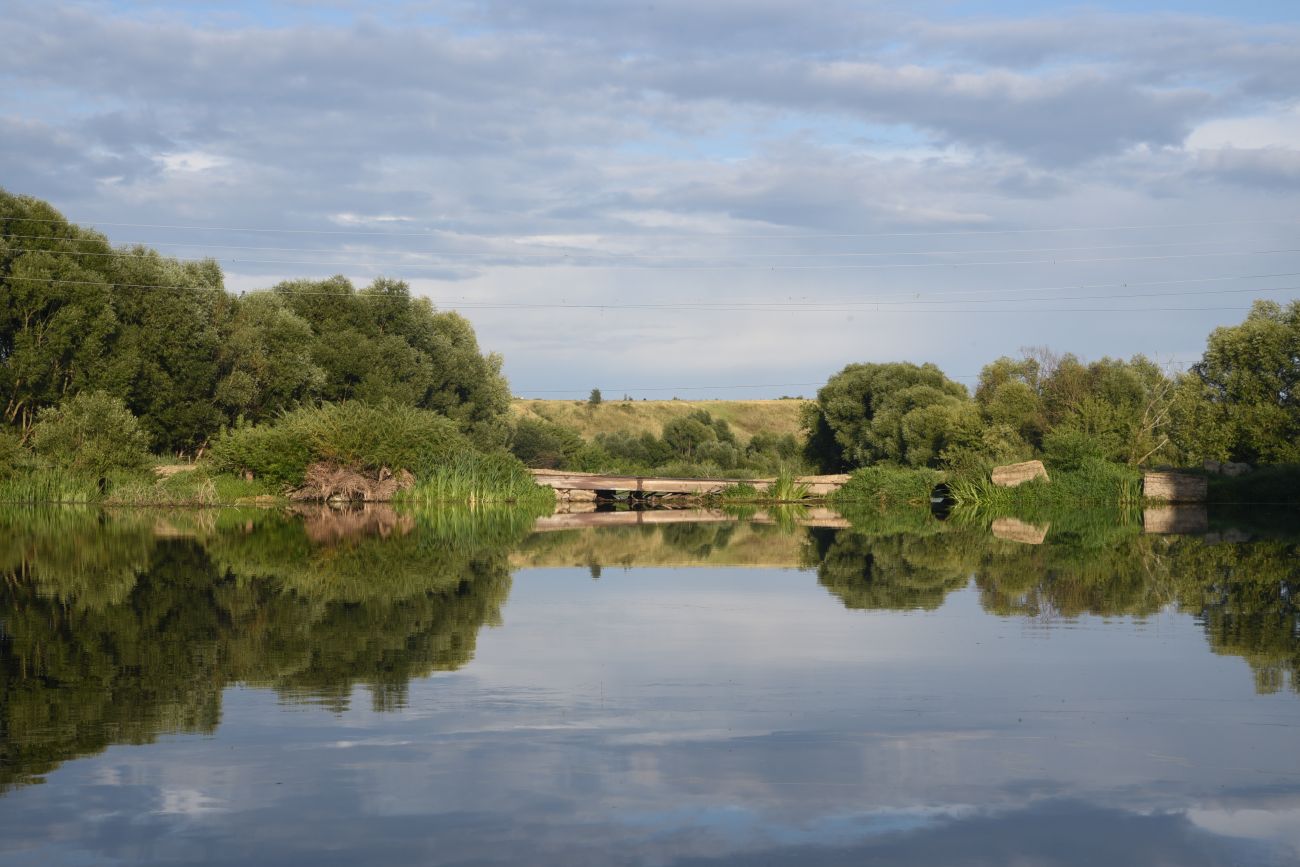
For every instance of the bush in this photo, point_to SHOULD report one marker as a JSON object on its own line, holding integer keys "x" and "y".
{"x": 886, "y": 486}
{"x": 1069, "y": 449}
{"x": 545, "y": 445}
{"x": 351, "y": 434}
{"x": 92, "y": 433}
{"x": 12, "y": 454}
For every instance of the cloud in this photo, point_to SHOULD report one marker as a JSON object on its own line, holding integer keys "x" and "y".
{"x": 504, "y": 136}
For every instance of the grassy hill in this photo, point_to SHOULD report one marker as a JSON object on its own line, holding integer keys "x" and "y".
{"x": 746, "y": 417}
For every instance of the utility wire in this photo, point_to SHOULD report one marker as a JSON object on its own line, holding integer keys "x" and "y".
{"x": 862, "y": 306}
{"x": 556, "y": 253}
{"x": 740, "y": 267}
{"x": 661, "y": 234}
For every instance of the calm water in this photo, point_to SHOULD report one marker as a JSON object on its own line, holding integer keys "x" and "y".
{"x": 239, "y": 688}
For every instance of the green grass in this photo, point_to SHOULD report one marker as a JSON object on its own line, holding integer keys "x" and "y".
{"x": 198, "y": 487}
{"x": 52, "y": 485}
{"x": 783, "y": 489}
{"x": 1096, "y": 484}
{"x": 746, "y": 417}
{"x": 741, "y": 493}
{"x": 890, "y": 487}
{"x": 471, "y": 477}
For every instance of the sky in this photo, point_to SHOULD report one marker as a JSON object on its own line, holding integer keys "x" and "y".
{"x": 690, "y": 198}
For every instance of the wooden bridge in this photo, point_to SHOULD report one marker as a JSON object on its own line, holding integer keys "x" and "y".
{"x": 606, "y": 487}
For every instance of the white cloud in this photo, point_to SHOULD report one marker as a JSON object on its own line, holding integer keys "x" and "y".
{"x": 667, "y": 144}
{"x": 187, "y": 162}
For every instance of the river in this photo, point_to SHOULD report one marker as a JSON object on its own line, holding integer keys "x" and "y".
{"x": 780, "y": 688}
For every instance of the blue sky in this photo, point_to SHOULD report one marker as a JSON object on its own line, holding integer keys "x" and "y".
{"x": 671, "y": 197}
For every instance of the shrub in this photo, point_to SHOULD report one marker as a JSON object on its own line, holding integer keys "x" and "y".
{"x": 12, "y": 454}
{"x": 887, "y": 486}
{"x": 1069, "y": 448}
{"x": 92, "y": 433}
{"x": 545, "y": 445}
{"x": 351, "y": 434}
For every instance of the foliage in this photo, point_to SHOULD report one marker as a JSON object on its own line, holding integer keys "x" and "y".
{"x": 187, "y": 357}
{"x": 594, "y": 398}
{"x": 1275, "y": 484}
{"x": 91, "y": 433}
{"x": 474, "y": 477}
{"x": 379, "y": 345}
{"x": 1095, "y": 484}
{"x": 890, "y": 487}
{"x": 49, "y": 485}
{"x": 1249, "y": 389}
{"x": 784, "y": 489}
{"x": 898, "y": 413}
{"x": 13, "y": 456}
{"x": 351, "y": 434}
{"x": 545, "y": 445}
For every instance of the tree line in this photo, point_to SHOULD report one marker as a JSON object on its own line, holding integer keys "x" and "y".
{"x": 1240, "y": 402}
{"x": 187, "y": 357}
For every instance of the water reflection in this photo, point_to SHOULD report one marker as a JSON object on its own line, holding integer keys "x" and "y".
{"x": 716, "y": 713}
{"x": 119, "y": 628}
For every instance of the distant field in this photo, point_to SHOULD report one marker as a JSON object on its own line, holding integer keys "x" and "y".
{"x": 746, "y": 417}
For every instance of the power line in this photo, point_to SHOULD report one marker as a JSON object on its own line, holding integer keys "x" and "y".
{"x": 738, "y": 267}
{"x": 861, "y": 306}
{"x": 664, "y": 233}
{"x": 864, "y": 307}
{"x": 556, "y": 254}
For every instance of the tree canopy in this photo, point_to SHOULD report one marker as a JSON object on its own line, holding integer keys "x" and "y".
{"x": 187, "y": 357}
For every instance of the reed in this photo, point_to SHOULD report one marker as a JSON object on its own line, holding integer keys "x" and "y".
{"x": 472, "y": 477}
{"x": 1096, "y": 484}
{"x": 49, "y": 485}
{"x": 890, "y": 487}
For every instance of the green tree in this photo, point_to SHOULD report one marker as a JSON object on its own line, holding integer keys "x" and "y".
{"x": 1249, "y": 381}
{"x": 264, "y": 357}
{"x": 381, "y": 344}
{"x": 899, "y": 413}
{"x": 594, "y": 398}
{"x": 544, "y": 444}
{"x": 92, "y": 432}
{"x": 57, "y": 320}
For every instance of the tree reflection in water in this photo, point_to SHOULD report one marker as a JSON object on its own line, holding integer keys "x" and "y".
{"x": 119, "y": 627}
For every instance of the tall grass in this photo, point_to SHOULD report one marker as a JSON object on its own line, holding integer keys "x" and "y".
{"x": 1088, "y": 508}
{"x": 471, "y": 477}
{"x": 1096, "y": 483}
{"x": 785, "y": 489}
{"x": 889, "y": 487}
{"x": 52, "y": 485}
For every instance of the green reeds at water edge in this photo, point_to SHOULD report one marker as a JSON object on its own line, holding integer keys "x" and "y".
{"x": 1097, "y": 484}
{"x": 783, "y": 489}
{"x": 49, "y": 486}
{"x": 889, "y": 487}
{"x": 472, "y": 477}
